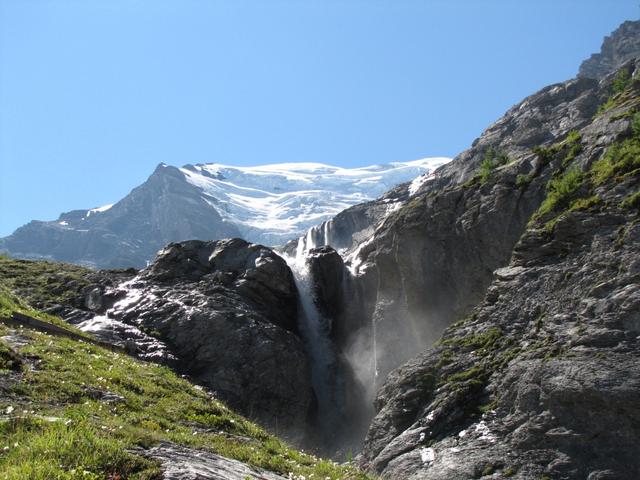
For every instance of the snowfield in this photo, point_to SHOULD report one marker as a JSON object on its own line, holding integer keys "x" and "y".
{"x": 275, "y": 203}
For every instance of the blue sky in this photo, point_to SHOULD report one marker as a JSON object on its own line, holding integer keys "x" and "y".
{"x": 94, "y": 94}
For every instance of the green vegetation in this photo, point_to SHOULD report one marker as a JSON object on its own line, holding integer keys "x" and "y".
{"x": 39, "y": 283}
{"x": 485, "y": 341}
{"x": 566, "y": 192}
{"x": 573, "y": 145}
{"x": 620, "y": 89}
{"x": 585, "y": 203}
{"x": 560, "y": 190}
{"x": 621, "y": 82}
{"x": 492, "y": 159}
{"x": 488, "y": 470}
{"x": 635, "y": 123}
{"x": 492, "y": 349}
{"x": 9, "y": 304}
{"x": 57, "y": 428}
{"x": 523, "y": 180}
{"x": 547, "y": 154}
{"x": 619, "y": 162}
{"x": 474, "y": 375}
{"x": 509, "y": 472}
{"x": 632, "y": 201}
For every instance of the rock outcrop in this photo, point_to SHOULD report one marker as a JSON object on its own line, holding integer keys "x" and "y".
{"x": 181, "y": 463}
{"x": 228, "y": 311}
{"x": 618, "y": 48}
{"x": 328, "y": 272}
{"x": 539, "y": 380}
{"x": 224, "y": 312}
{"x": 430, "y": 261}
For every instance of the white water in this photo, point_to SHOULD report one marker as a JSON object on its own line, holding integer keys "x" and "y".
{"x": 315, "y": 330}
{"x": 362, "y": 354}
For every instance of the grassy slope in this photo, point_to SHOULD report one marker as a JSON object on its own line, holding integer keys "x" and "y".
{"x": 52, "y": 426}
{"x": 43, "y": 283}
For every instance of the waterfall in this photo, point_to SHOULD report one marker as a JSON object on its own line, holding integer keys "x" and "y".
{"x": 343, "y": 378}
{"x": 315, "y": 329}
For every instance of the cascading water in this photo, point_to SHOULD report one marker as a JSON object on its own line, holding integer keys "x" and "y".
{"x": 315, "y": 331}
{"x": 342, "y": 376}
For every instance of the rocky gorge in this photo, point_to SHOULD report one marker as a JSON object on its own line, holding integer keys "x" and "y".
{"x": 481, "y": 321}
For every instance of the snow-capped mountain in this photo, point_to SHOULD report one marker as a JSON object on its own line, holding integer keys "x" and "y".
{"x": 268, "y": 204}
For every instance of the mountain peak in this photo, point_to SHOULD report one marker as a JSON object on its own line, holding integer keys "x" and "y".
{"x": 267, "y": 204}
{"x": 618, "y": 48}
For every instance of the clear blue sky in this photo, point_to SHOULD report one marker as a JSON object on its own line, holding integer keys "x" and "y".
{"x": 95, "y": 93}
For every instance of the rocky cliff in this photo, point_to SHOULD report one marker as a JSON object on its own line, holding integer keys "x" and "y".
{"x": 619, "y": 47}
{"x": 537, "y": 226}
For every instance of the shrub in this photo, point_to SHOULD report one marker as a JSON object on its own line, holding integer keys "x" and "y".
{"x": 523, "y": 180}
{"x": 560, "y": 190}
{"x": 621, "y": 82}
{"x": 491, "y": 160}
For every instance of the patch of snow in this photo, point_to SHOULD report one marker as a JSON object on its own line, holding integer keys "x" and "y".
{"x": 417, "y": 182}
{"x": 102, "y": 209}
{"x": 63, "y": 223}
{"x": 353, "y": 261}
{"x": 427, "y": 455}
{"x": 485, "y": 433}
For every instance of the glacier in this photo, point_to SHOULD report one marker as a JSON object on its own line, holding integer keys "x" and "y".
{"x": 272, "y": 204}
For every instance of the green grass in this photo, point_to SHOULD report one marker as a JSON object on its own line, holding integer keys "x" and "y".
{"x": 59, "y": 430}
{"x": 585, "y": 203}
{"x": 484, "y": 341}
{"x": 42, "y": 283}
{"x": 9, "y": 304}
{"x": 573, "y": 145}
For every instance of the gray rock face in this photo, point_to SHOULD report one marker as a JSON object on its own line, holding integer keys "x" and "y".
{"x": 228, "y": 310}
{"x": 618, "y": 48}
{"x": 431, "y": 261}
{"x": 328, "y": 273}
{"x": 542, "y": 378}
{"x": 181, "y": 463}
{"x": 224, "y": 312}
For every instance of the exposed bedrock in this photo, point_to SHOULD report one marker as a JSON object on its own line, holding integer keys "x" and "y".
{"x": 224, "y": 312}
{"x": 537, "y": 262}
